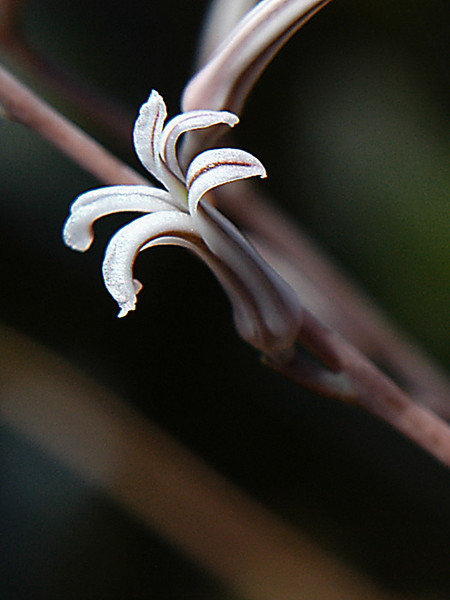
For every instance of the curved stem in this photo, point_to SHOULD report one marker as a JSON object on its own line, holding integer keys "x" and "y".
{"x": 336, "y": 300}
{"x": 376, "y": 393}
{"x": 20, "y": 104}
{"x": 372, "y": 389}
{"x": 96, "y": 104}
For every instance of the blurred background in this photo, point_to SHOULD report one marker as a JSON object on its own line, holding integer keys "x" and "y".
{"x": 351, "y": 121}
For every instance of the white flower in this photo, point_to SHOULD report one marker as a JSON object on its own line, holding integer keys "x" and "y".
{"x": 266, "y": 310}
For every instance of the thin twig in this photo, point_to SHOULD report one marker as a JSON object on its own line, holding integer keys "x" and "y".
{"x": 371, "y": 389}
{"x": 374, "y": 390}
{"x": 222, "y": 83}
{"x": 20, "y": 104}
{"x": 96, "y": 104}
{"x": 336, "y": 300}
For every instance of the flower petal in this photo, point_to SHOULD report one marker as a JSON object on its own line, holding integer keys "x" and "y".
{"x": 275, "y": 302}
{"x": 88, "y": 207}
{"x": 125, "y": 245}
{"x": 217, "y": 167}
{"x": 195, "y": 119}
{"x": 147, "y": 142}
{"x": 147, "y": 132}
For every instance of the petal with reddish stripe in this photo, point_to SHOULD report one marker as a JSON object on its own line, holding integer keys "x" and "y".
{"x": 190, "y": 121}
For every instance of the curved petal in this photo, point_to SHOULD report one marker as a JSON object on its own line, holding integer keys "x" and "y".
{"x": 277, "y": 304}
{"x": 78, "y": 231}
{"x": 125, "y": 245}
{"x": 147, "y": 143}
{"x": 147, "y": 132}
{"x": 217, "y": 167}
{"x": 195, "y": 119}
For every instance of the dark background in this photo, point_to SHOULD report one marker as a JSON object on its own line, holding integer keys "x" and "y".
{"x": 351, "y": 122}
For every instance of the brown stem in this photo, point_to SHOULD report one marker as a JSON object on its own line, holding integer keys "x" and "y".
{"x": 20, "y": 104}
{"x": 374, "y": 390}
{"x": 349, "y": 310}
{"x": 353, "y": 378}
{"x": 315, "y": 377}
{"x": 97, "y": 105}
{"x": 337, "y": 301}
